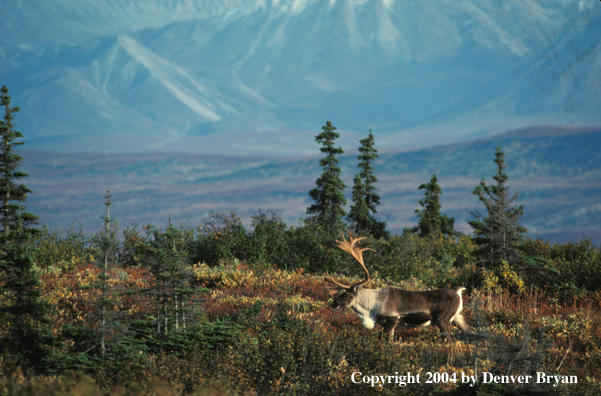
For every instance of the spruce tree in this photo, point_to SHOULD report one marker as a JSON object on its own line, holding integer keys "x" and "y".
{"x": 365, "y": 199}
{"x": 165, "y": 255}
{"x": 106, "y": 244}
{"x": 497, "y": 234}
{"x": 431, "y": 221}
{"x": 21, "y": 310}
{"x": 329, "y": 193}
{"x": 13, "y": 215}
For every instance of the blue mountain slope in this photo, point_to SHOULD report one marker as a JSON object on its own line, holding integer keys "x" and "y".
{"x": 117, "y": 76}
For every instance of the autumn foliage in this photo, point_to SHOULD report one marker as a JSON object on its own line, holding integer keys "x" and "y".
{"x": 255, "y": 325}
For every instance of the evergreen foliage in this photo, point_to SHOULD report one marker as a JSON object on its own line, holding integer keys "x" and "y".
{"x": 270, "y": 243}
{"x": 13, "y": 213}
{"x": 329, "y": 192}
{"x": 431, "y": 221}
{"x": 21, "y": 308}
{"x": 365, "y": 199}
{"x": 222, "y": 236}
{"x": 165, "y": 255}
{"x": 106, "y": 245}
{"x": 269, "y": 240}
{"x": 497, "y": 234}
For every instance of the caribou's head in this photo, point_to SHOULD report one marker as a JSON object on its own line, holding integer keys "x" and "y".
{"x": 345, "y": 300}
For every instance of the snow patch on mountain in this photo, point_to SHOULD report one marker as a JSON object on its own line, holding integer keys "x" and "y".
{"x": 504, "y": 37}
{"x": 183, "y": 86}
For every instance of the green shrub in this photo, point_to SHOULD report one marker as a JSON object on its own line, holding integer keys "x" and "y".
{"x": 269, "y": 243}
{"x": 61, "y": 250}
{"x": 132, "y": 253}
{"x": 314, "y": 250}
{"x": 222, "y": 236}
{"x": 570, "y": 267}
{"x": 435, "y": 261}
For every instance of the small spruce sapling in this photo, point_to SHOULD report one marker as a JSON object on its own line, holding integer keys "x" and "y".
{"x": 431, "y": 221}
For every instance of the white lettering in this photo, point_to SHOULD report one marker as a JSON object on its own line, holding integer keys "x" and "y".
{"x": 402, "y": 380}
{"x": 444, "y": 377}
{"x": 465, "y": 379}
{"x": 573, "y": 379}
{"x": 487, "y": 377}
{"x": 540, "y": 377}
{"x": 374, "y": 380}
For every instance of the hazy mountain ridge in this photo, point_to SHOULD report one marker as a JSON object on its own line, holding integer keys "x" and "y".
{"x": 188, "y": 75}
{"x": 557, "y": 175}
{"x": 89, "y": 20}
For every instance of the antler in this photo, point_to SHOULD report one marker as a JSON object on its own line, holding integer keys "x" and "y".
{"x": 329, "y": 279}
{"x": 357, "y": 253}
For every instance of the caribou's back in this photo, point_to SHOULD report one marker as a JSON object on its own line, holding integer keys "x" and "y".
{"x": 402, "y": 302}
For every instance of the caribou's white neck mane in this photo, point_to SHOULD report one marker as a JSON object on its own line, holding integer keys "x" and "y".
{"x": 367, "y": 305}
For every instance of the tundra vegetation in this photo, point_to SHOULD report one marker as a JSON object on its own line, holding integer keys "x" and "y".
{"x": 221, "y": 309}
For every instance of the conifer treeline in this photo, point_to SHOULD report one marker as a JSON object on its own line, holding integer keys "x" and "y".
{"x": 496, "y": 233}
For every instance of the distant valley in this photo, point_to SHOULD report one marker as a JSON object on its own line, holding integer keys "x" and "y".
{"x": 556, "y": 171}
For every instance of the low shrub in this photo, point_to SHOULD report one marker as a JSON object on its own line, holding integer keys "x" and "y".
{"x": 61, "y": 250}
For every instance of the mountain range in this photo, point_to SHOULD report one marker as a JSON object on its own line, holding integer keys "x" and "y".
{"x": 257, "y": 77}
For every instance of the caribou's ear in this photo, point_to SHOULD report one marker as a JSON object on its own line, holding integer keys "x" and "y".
{"x": 355, "y": 289}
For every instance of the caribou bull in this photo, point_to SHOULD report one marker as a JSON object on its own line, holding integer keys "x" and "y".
{"x": 391, "y": 306}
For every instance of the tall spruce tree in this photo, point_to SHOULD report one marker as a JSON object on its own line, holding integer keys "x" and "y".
{"x": 21, "y": 310}
{"x": 431, "y": 221}
{"x": 329, "y": 192}
{"x": 365, "y": 199}
{"x": 107, "y": 245}
{"x": 497, "y": 234}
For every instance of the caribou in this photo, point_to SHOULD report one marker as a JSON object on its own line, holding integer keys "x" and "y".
{"x": 392, "y": 306}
